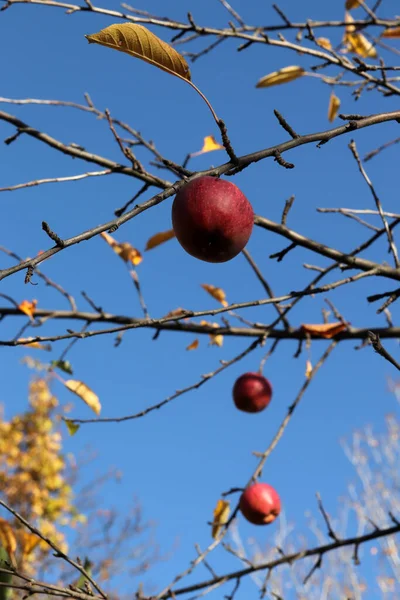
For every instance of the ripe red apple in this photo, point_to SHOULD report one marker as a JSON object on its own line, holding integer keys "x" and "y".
{"x": 212, "y": 219}
{"x": 252, "y": 392}
{"x": 260, "y": 504}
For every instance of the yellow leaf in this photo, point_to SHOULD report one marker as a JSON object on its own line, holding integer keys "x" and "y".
{"x": 108, "y": 238}
{"x": 176, "y": 313}
{"x": 194, "y": 345}
{"x": 349, "y": 27}
{"x": 28, "y": 307}
{"x": 28, "y": 342}
{"x": 324, "y": 43}
{"x": 325, "y": 330}
{"x": 128, "y": 253}
{"x": 282, "y": 76}
{"x": 358, "y": 44}
{"x": 309, "y": 369}
{"x": 216, "y": 292}
{"x": 27, "y": 541}
{"x": 159, "y": 238}
{"x": 221, "y": 515}
{"x": 210, "y": 144}
{"x": 139, "y": 42}
{"x": 334, "y": 105}
{"x": 352, "y": 4}
{"x": 391, "y": 32}
{"x": 7, "y": 539}
{"x": 124, "y": 250}
{"x": 71, "y": 426}
{"x": 215, "y": 339}
{"x": 83, "y": 391}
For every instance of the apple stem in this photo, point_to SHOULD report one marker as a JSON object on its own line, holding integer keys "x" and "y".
{"x": 222, "y": 127}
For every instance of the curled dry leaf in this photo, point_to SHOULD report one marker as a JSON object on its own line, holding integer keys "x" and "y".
{"x": 358, "y": 44}
{"x": 355, "y": 42}
{"x": 391, "y": 32}
{"x": 139, "y": 42}
{"x": 325, "y": 330}
{"x": 215, "y": 339}
{"x": 324, "y": 43}
{"x": 124, "y": 250}
{"x": 28, "y": 307}
{"x": 334, "y": 105}
{"x": 159, "y": 238}
{"x": 309, "y": 369}
{"x": 177, "y": 312}
{"x": 216, "y": 292}
{"x": 38, "y": 345}
{"x": 85, "y": 393}
{"x": 128, "y": 253}
{"x": 221, "y": 515}
{"x": 194, "y": 345}
{"x": 284, "y": 75}
{"x": 210, "y": 144}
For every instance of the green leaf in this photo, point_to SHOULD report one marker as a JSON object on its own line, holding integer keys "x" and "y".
{"x": 71, "y": 426}
{"x": 80, "y": 583}
{"x": 5, "y": 563}
{"x": 63, "y": 365}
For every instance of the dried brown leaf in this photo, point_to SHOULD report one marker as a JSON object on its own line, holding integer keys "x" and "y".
{"x": 324, "y": 43}
{"x": 325, "y": 330}
{"x": 128, "y": 253}
{"x": 159, "y": 238}
{"x": 38, "y": 345}
{"x": 124, "y": 250}
{"x": 28, "y": 307}
{"x": 334, "y": 105}
{"x": 215, "y": 339}
{"x": 177, "y": 312}
{"x": 284, "y": 75}
{"x": 216, "y": 292}
{"x": 391, "y": 32}
{"x": 350, "y": 4}
{"x": 194, "y": 345}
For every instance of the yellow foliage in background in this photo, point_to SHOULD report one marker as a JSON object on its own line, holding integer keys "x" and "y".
{"x": 33, "y": 474}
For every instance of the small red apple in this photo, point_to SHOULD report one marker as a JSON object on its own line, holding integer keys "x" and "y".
{"x": 260, "y": 504}
{"x": 252, "y": 392}
{"x": 212, "y": 219}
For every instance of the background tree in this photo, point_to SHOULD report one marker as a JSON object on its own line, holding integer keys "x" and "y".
{"x": 198, "y": 452}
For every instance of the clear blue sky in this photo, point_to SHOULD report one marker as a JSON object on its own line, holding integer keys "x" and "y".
{"x": 179, "y": 460}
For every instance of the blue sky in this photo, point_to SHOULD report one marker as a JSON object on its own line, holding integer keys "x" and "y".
{"x": 179, "y": 459}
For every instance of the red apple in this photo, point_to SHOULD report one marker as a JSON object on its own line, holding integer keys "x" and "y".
{"x": 212, "y": 219}
{"x": 252, "y": 392}
{"x": 260, "y": 504}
